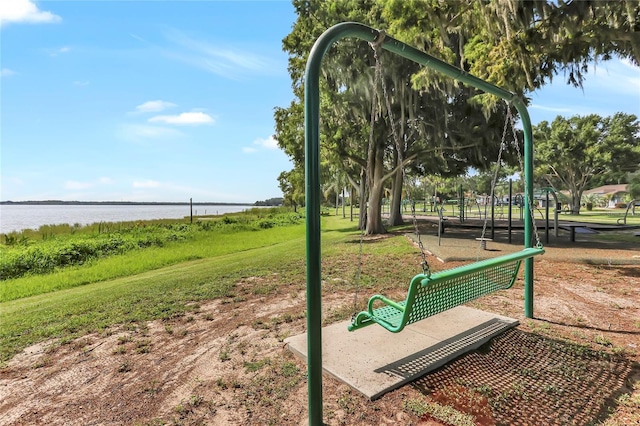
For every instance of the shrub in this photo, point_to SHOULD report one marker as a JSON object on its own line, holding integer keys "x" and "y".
{"x": 21, "y": 256}
{"x": 45, "y": 256}
{"x": 265, "y": 224}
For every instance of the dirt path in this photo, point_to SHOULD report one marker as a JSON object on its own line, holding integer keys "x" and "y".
{"x": 226, "y": 364}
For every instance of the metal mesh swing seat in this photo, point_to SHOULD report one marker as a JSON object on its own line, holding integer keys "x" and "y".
{"x": 430, "y": 294}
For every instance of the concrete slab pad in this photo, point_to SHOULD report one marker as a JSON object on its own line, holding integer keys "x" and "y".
{"x": 374, "y": 361}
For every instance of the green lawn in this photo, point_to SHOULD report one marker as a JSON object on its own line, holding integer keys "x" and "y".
{"x": 165, "y": 291}
{"x": 204, "y": 246}
{"x": 601, "y": 216}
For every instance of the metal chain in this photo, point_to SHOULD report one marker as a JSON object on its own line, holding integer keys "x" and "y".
{"x": 374, "y": 97}
{"x": 495, "y": 179}
{"x": 425, "y": 265}
{"x": 357, "y": 278}
{"x": 524, "y": 178}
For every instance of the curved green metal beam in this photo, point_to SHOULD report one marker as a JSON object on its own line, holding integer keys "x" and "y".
{"x": 312, "y": 180}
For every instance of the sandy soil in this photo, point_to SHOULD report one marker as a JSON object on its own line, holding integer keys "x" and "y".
{"x": 226, "y": 364}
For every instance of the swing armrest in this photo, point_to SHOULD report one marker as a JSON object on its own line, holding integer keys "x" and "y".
{"x": 370, "y": 316}
{"x": 384, "y": 300}
{"x": 362, "y": 319}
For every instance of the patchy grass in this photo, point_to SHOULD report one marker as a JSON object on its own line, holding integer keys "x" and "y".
{"x": 444, "y": 413}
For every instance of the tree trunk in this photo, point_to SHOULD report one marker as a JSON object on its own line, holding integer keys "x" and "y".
{"x": 395, "y": 216}
{"x": 374, "y": 217}
{"x": 376, "y": 189}
{"x": 575, "y": 202}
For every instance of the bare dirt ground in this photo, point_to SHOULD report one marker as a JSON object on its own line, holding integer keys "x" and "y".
{"x": 226, "y": 364}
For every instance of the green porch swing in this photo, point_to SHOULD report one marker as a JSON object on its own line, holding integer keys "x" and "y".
{"x": 432, "y": 293}
{"x": 489, "y": 271}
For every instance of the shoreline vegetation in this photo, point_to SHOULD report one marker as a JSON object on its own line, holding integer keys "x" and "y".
{"x": 54, "y": 257}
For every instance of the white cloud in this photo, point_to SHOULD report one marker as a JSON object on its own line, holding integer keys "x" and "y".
{"x": 58, "y": 51}
{"x": 24, "y": 11}
{"x": 184, "y": 118}
{"x": 154, "y": 106}
{"x": 6, "y": 72}
{"x": 146, "y": 184}
{"x": 617, "y": 75}
{"x": 81, "y": 83}
{"x": 77, "y": 185}
{"x": 552, "y": 109}
{"x": 73, "y": 184}
{"x": 269, "y": 143}
{"x": 635, "y": 82}
{"x": 153, "y": 190}
{"x": 137, "y": 37}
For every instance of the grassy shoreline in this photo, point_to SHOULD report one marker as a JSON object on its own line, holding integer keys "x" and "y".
{"x": 160, "y": 292}
{"x": 63, "y": 259}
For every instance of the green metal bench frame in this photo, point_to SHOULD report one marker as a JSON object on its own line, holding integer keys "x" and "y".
{"x": 431, "y": 294}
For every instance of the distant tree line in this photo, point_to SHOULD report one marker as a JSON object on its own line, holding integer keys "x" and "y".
{"x": 274, "y": 202}
{"x": 581, "y": 152}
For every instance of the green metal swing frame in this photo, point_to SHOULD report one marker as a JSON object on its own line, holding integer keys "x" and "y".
{"x": 313, "y": 191}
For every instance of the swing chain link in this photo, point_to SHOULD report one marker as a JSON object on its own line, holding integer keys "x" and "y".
{"x": 524, "y": 178}
{"x": 377, "y": 77}
{"x": 379, "y": 81}
{"x": 376, "y": 47}
{"x": 377, "y": 43}
{"x": 494, "y": 181}
{"x": 426, "y": 270}
{"x": 357, "y": 278}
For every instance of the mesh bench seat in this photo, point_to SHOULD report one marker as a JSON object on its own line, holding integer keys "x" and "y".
{"x": 437, "y": 292}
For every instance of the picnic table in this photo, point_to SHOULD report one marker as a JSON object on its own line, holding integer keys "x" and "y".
{"x": 574, "y": 228}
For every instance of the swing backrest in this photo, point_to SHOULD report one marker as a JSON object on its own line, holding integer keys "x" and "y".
{"x": 443, "y": 290}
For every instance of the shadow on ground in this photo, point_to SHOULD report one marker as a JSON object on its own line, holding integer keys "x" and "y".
{"x": 521, "y": 378}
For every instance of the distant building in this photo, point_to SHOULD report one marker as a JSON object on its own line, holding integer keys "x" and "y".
{"x": 613, "y": 193}
{"x": 540, "y": 197}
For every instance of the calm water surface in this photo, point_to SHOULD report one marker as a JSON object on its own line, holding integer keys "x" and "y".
{"x": 19, "y": 217}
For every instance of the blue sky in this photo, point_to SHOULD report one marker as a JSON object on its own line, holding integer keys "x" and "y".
{"x": 167, "y": 100}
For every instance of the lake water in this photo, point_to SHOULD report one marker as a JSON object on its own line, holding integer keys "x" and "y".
{"x": 19, "y": 217}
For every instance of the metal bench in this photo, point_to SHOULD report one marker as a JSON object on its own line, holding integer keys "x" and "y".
{"x": 430, "y": 294}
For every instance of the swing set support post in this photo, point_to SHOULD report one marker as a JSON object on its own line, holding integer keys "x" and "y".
{"x": 313, "y": 191}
